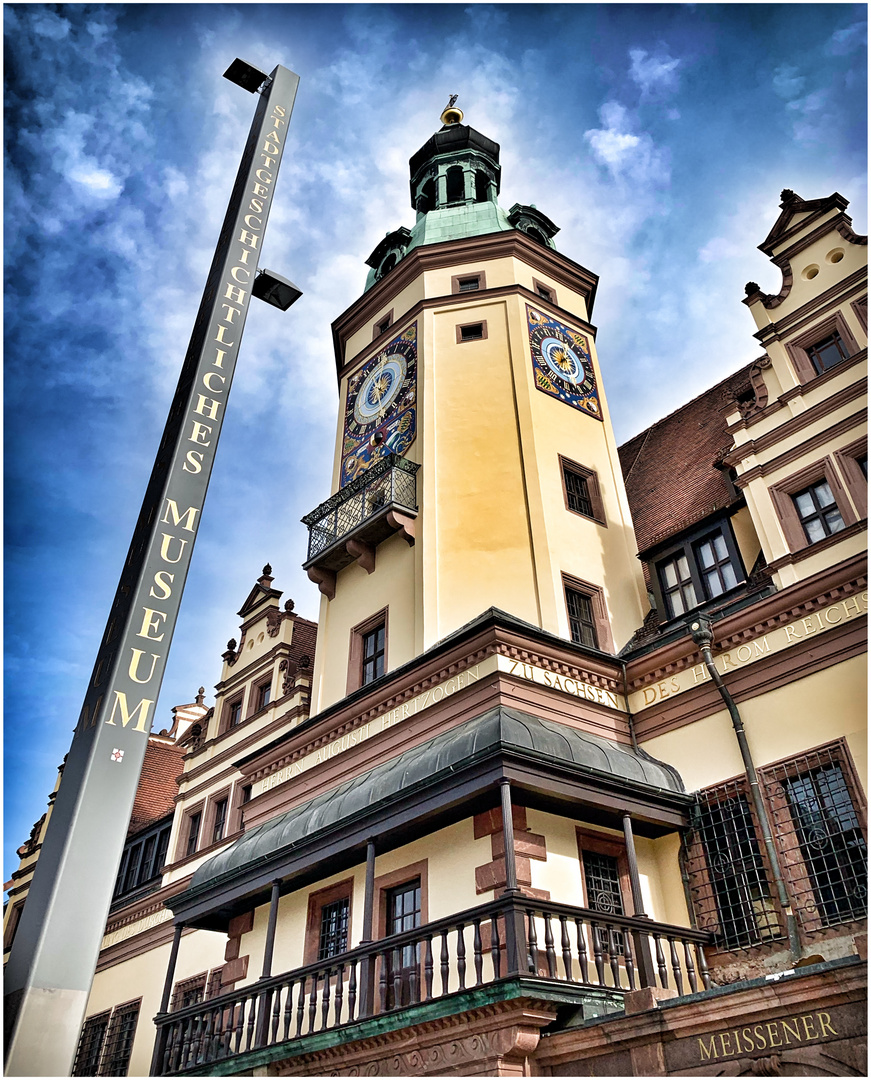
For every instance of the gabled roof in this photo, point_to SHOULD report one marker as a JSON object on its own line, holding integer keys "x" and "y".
{"x": 671, "y": 481}
{"x": 796, "y": 214}
{"x": 259, "y": 593}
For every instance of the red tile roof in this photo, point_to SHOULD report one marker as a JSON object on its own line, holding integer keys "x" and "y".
{"x": 157, "y": 784}
{"x": 669, "y": 472}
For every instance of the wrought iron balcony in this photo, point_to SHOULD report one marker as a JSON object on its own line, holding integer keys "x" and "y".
{"x": 566, "y": 950}
{"x": 351, "y": 523}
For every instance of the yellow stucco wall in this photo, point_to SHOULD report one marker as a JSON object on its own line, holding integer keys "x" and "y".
{"x": 143, "y": 976}
{"x": 787, "y": 721}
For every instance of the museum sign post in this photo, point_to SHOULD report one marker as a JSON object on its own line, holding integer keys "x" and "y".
{"x": 57, "y": 943}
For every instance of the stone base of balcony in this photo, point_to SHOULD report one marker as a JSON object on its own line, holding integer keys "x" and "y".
{"x": 488, "y": 1031}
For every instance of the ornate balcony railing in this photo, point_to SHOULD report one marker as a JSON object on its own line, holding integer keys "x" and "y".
{"x": 506, "y": 939}
{"x": 361, "y": 510}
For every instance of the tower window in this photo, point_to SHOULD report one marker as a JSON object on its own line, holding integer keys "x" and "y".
{"x": 544, "y": 291}
{"x": 581, "y": 490}
{"x": 456, "y": 182}
{"x": 587, "y": 613}
{"x": 374, "y": 649}
{"x": 367, "y": 652}
{"x": 427, "y": 199}
{"x": 582, "y": 625}
{"x": 537, "y": 235}
{"x": 482, "y": 186}
{"x": 462, "y": 283}
{"x": 471, "y": 332}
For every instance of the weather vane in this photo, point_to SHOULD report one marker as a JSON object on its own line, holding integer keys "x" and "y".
{"x": 452, "y": 115}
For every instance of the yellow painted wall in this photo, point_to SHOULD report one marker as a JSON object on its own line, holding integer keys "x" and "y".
{"x": 401, "y": 303}
{"x": 143, "y": 976}
{"x": 478, "y": 543}
{"x": 360, "y": 595}
{"x": 787, "y": 721}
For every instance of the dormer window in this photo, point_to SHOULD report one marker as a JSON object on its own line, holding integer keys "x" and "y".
{"x": 706, "y": 565}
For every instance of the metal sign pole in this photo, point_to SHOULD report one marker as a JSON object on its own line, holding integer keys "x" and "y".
{"x": 57, "y": 943}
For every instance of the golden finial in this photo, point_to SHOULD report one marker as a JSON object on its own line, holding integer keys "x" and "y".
{"x": 452, "y": 115}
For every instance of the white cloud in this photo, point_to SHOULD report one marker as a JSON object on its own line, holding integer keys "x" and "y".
{"x": 845, "y": 41}
{"x": 625, "y": 154}
{"x": 787, "y": 81}
{"x": 49, "y": 25}
{"x": 653, "y": 74}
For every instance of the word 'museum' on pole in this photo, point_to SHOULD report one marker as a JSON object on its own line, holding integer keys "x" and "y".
{"x": 54, "y": 956}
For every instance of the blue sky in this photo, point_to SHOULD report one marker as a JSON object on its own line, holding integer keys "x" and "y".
{"x": 658, "y": 137}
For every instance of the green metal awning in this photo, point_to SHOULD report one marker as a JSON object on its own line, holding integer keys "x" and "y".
{"x": 500, "y": 729}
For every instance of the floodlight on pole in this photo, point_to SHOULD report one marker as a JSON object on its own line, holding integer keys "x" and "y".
{"x": 275, "y": 289}
{"x": 59, "y": 935}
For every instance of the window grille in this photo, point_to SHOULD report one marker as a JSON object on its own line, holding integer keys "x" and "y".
{"x": 119, "y": 1040}
{"x": 729, "y": 880}
{"x": 334, "y": 929}
{"x": 188, "y": 992}
{"x": 602, "y": 881}
{"x": 90, "y": 1047}
{"x": 577, "y": 493}
{"x": 820, "y": 837}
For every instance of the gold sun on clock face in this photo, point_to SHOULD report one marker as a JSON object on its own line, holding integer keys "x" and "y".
{"x": 562, "y": 364}
{"x": 380, "y": 407}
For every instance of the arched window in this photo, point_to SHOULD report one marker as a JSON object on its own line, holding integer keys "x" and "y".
{"x": 388, "y": 264}
{"x": 428, "y": 196}
{"x": 482, "y": 186}
{"x": 537, "y": 235}
{"x": 456, "y": 184}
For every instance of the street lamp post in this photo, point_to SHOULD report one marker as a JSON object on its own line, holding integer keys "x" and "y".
{"x": 57, "y": 943}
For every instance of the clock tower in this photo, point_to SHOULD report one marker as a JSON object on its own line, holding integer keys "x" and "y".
{"x": 475, "y": 465}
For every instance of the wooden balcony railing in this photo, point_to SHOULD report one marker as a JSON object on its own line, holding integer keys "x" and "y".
{"x": 507, "y": 938}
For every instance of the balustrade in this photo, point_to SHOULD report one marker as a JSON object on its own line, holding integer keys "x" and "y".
{"x": 507, "y": 938}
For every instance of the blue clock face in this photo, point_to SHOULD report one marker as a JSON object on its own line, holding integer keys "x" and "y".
{"x": 562, "y": 359}
{"x": 380, "y": 407}
{"x": 562, "y": 364}
{"x": 380, "y": 388}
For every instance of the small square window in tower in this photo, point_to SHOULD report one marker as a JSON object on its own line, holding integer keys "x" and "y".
{"x": 374, "y": 648}
{"x": 818, "y": 512}
{"x": 582, "y": 623}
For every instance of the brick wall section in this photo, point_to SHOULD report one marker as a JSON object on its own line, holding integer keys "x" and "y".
{"x": 158, "y": 784}
{"x": 668, "y": 470}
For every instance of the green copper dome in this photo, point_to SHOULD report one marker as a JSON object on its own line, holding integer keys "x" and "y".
{"x": 454, "y": 179}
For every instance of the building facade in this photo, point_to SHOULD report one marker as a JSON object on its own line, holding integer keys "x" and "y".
{"x": 569, "y": 778}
